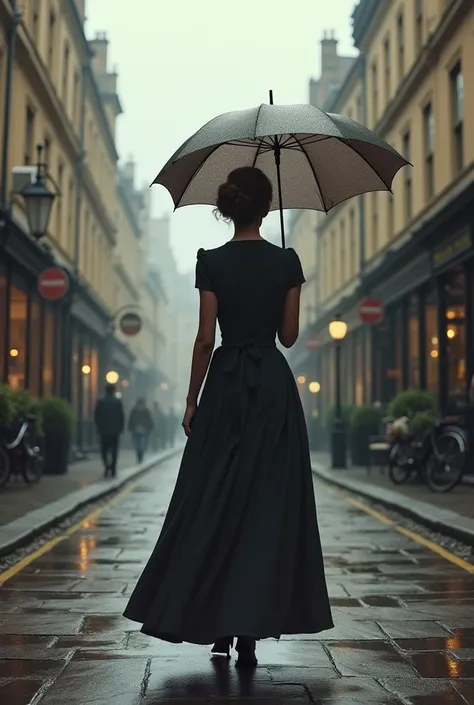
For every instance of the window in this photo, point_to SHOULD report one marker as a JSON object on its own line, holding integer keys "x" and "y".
{"x": 428, "y": 124}
{"x": 47, "y": 150}
{"x": 29, "y": 136}
{"x": 407, "y": 176}
{"x": 375, "y": 94}
{"x": 51, "y": 40}
{"x": 17, "y": 342}
{"x": 333, "y": 279}
{"x": 352, "y": 244}
{"x": 457, "y": 110}
{"x": 35, "y": 20}
{"x": 419, "y": 25}
{"x": 343, "y": 251}
{"x": 48, "y": 353}
{"x": 75, "y": 98}
{"x": 3, "y": 318}
{"x": 34, "y": 361}
{"x": 391, "y": 215}
{"x": 413, "y": 342}
{"x": 432, "y": 342}
{"x": 59, "y": 204}
{"x": 359, "y": 109}
{"x": 401, "y": 45}
{"x": 65, "y": 77}
{"x": 455, "y": 337}
{"x": 375, "y": 223}
{"x": 70, "y": 218}
{"x": 387, "y": 66}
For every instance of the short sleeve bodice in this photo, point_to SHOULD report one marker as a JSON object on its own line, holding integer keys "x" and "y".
{"x": 250, "y": 279}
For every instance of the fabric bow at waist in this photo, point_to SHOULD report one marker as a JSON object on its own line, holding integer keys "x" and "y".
{"x": 241, "y": 366}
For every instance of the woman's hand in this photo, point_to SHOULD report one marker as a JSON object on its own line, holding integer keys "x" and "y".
{"x": 188, "y": 418}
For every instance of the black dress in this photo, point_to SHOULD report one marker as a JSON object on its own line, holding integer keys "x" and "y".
{"x": 239, "y": 553}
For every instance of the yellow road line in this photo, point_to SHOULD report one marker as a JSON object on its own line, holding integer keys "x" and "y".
{"x": 49, "y": 545}
{"x": 435, "y": 547}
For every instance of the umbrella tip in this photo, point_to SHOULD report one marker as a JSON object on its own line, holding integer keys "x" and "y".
{"x": 271, "y": 96}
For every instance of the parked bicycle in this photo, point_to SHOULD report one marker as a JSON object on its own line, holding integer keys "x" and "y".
{"x": 20, "y": 453}
{"x": 438, "y": 458}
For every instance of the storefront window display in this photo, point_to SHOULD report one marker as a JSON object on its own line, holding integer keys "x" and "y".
{"x": 432, "y": 343}
{"x": 414, "y": 342}
{"x": 17, "y": 355}
{"x": 35, "y": 357}
{"x": 455, "y": 338}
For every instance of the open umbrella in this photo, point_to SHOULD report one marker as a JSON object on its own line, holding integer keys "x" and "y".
{"x": 318, "y": 159}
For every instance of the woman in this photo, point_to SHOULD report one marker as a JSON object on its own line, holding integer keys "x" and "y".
{"x": 239, "y": 554}
{"x": 140, "y": 424}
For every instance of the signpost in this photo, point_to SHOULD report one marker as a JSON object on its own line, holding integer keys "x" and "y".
{"x": 371, "y": 311}
{"x": 53, "y": 283}
{"x": 130, "y": 324}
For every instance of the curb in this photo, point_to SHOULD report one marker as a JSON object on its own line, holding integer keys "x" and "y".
{"x": 443, "y": 521}
{"x": 23, "y": 530}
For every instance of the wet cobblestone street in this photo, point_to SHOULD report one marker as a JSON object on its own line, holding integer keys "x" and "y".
{"x": 403, "y": 613}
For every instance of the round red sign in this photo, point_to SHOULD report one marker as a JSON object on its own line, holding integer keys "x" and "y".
{"x": 371, "y": 311}
{"x": 53, "y": 283}
{"x": 130, "y": 324}
{"x": 312, "y": 343}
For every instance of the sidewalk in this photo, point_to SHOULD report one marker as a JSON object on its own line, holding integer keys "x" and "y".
{"x": 28, "y": 510}
{"x": 450, "y": 513}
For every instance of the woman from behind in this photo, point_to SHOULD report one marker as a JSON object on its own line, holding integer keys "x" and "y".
{"x": 239, "y": 554}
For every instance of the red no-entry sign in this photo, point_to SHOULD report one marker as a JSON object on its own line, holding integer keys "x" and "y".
{"x": 312, "y": 343}
{"x": 53, "y": 283}
{"x": 130, "y": 324}
{"x": 371, "y": 311}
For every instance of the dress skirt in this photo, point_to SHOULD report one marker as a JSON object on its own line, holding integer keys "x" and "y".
{"x": 239, "y": 553}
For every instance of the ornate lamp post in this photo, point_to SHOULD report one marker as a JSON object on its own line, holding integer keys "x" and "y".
{"x": 337, "y": 331}
{"x": 39, "y": 199}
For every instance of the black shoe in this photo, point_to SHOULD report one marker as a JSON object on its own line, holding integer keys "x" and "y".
{"x": 246, "y": 650}
{"x": 222, "y": 647}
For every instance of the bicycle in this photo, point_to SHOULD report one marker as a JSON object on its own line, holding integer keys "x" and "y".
{"x": 20, "y": 452}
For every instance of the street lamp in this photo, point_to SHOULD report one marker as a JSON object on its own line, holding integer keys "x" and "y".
{"x": 314, "y": 387}
{"x": 112, "y": 377}
{"x": 38, "y": 200}
{"x": 337, "y": 331}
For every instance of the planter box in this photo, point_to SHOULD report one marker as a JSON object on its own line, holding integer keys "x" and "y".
{"x": 56, "y": 454}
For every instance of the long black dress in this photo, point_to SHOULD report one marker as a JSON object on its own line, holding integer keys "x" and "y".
{"x": 239, "y": 552}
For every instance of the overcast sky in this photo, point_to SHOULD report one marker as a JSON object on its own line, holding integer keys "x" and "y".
{"x": 182, "y": 63}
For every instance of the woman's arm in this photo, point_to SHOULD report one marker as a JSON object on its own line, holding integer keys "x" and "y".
{"x": 290, "y": 320}
{"x": 204, "y": 344}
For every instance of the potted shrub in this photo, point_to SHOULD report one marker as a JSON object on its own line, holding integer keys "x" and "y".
{"x": 6, "y": 407}
{"x": 57, "y": 424}
{"x": 421, "y": 423}
{"x": 411, "y": 402}
{"x": 23, "y": 403}
{"x": 365, "y": 422}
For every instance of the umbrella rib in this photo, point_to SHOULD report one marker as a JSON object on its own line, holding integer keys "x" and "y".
{"x": 314, "y": 174}
{"x": 257, "y": 152}
{"x": 198, "y": 168}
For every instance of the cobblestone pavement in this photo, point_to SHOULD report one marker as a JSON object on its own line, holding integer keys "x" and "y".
{"x": 17, "y": 498}
{"x": 460, "y": 499}
{"x": 404, "y": 621}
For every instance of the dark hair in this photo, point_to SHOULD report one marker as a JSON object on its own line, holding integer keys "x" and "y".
{"x": 110, "y": 389}
{"x": 245, "y": 196}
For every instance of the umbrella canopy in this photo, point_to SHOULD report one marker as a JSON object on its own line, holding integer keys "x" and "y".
{"x": 325, "y": 158}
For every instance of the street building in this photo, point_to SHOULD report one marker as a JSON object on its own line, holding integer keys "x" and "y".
{"x": 410, "y": 253}
{"x": 63, "y": 95}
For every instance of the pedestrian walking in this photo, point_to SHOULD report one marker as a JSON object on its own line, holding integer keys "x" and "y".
{"x": 140, "y": 424}
{"x": 110, "y": 421}
{"x": 239, "y": 554}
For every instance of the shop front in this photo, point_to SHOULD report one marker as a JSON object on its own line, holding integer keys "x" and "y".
{"x": 31, "y": 342}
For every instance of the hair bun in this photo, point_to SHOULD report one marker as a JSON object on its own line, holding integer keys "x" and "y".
{"x": 245, "y": 196}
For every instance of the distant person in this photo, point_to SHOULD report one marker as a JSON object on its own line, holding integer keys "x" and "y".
{"x": 158, "y": 439}
{"x": 140, "y": 424}
{"x": 110, "y": 422}
{"x": 239, "y": 555}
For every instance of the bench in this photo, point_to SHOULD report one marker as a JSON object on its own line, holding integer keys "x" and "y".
{"x": 379, "y": 448}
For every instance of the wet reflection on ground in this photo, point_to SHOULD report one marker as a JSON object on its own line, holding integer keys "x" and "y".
{"x": 404, "y": 623}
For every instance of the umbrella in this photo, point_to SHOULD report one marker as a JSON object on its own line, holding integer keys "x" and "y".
{"x": 319, "y": 159}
